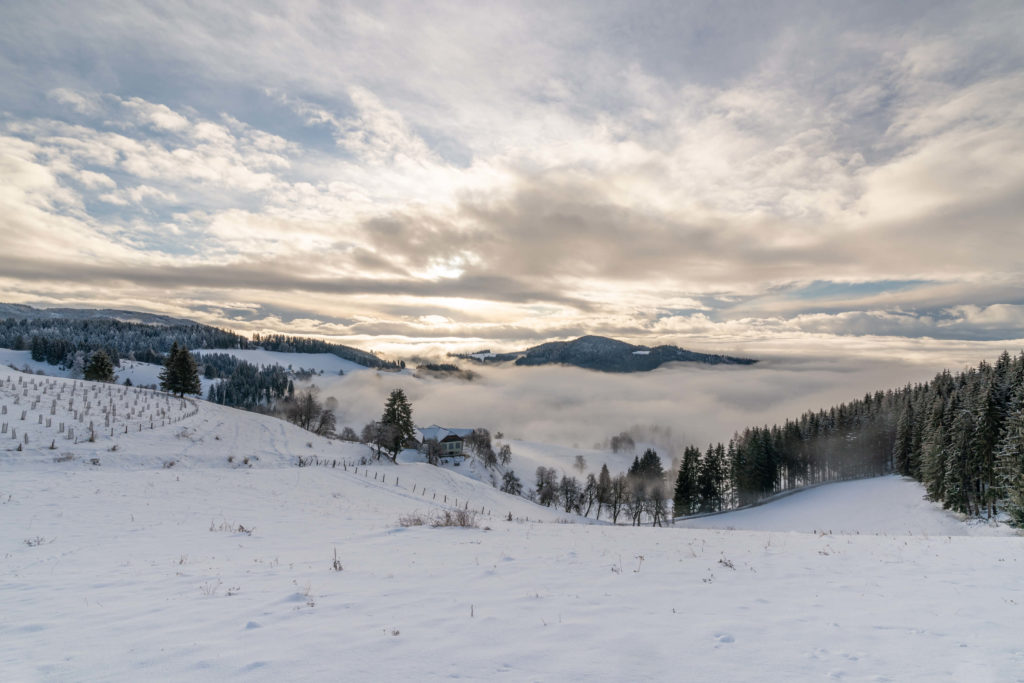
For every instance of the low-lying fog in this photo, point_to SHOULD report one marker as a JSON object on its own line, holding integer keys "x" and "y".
{"x": 582, "y": 408}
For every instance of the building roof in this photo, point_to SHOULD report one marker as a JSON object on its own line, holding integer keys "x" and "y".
{"x": 439, "y": 433}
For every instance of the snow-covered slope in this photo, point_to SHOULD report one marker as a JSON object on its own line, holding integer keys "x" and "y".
{"x": 141, "y": 374}
{"x": 325, "y": 363}
{"x": 146, "y": 373}
{"x": 215, "y": 570}
{"x": 882, "y": 505}
{"x": 23, "y": 359}
{"x": 87, "y": 425}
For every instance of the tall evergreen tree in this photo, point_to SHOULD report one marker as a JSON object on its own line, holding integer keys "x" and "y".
{"x": 903, "y": 448}
{"x": 604, "y": 488}
{"x": 958, "y": 463}
{"x": 180, "y": 374}
{"x": 1010, "y": 459}
{"x": 711, "y": 480}
{"x": 397, "y": 423}
{"x": 988, "y": 420}
{"x": 685, "y": 497}
{"x": 99, "y": 368}
{"x": 649, "y": 466}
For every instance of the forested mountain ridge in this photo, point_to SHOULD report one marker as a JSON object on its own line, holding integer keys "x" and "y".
{"x": 286, "y": 344}
{"x": 24, "y": 312}
{"x": 593, "y": 352}
{"x": 60, "y": 335}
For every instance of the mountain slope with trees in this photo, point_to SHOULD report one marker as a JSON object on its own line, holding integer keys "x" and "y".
{"x": 64, "y": 336}
{"x": 592, "y": 352}
{"x": 961, "y": 435}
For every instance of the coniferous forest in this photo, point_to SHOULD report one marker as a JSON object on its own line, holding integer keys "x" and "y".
{"x": 243, "y": 384}
{"x": 280, "y": 342}
{"x": 961, "y": 435}
{"x": 58, "y": 340}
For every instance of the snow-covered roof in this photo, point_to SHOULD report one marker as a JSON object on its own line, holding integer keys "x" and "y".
{"x": 439, "y": 433}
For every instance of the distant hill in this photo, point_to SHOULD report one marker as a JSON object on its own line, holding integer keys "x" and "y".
{"x": 23, "y": 312}
{"x": 606, "y": 355}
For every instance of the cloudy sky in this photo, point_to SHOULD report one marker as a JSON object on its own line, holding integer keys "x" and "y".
{"x": 759, "y": 176}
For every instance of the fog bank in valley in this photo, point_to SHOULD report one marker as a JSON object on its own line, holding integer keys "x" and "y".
{"x": 581, "y": 408}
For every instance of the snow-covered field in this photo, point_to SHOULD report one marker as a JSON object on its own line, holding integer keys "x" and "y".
{"x": 23, "y": 359}
{"x": 217, "y": 569}
{"x": 325, "y": 363}
{"x": 147, "y": 374}
{"x": 141, "y": 374}
{"x": 885, "y": 505}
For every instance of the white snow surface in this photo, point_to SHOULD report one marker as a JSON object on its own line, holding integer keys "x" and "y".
{"x": 141, "y": 374}
{"x": 325, "y": 363}
{"x": 23, "y": 359}
{"x": 881, "y": 505}
{"x": 134, "y": 569}
{"x": 146, "y": 374}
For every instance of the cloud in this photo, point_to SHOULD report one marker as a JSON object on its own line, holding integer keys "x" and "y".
{"x": 505, "y": 173}
{"x": 999, "y": 317}
{"x": 79, "y": 102}
{"x": 137, "y": 195}
{"x": 698, "y": 404}
{"x": 93, "y": 180}
{"x": 159, "y": 116}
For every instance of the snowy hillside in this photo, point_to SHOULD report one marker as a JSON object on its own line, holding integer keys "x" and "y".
{"x": 883, "y": 505}
{"x": 217, "y": 569}
{"x": 141, "y": 374}
{"x": 146, "y": 373}
{"x": 23, "y": 359}
{"x": 56, "y": 423}
{"x": 325, "y": 363}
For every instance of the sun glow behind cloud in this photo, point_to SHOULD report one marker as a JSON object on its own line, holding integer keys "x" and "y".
{"x": 771, "y": 177}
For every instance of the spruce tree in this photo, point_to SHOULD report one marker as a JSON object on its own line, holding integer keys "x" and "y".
{"x": 99, "y": 368}
{"x": 684, "y": 500}
{"x": 903, "y": 448}
{"x": 649, "y": 466}
{"x": 604, "y": 488}
{"x": 180, "y": 374}
{"x": 168, "y": 376}
{"x": 957, "y": 485}
{"x": 711, "y": 480}
{"x": 988, "y": 421}
{"x": 1010, "y": 460}
{"x": 396, "y": 422}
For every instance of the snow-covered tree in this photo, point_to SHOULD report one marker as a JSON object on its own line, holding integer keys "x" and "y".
{"x": 99, "y": 368}
{"x": 1010, "y": 461}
